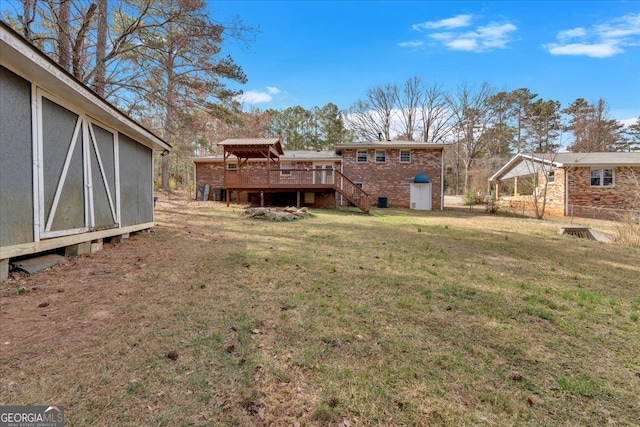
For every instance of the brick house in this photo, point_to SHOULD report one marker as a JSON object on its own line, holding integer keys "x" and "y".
{"x": 601, "y": 185}
{"x": 258, "y": 171}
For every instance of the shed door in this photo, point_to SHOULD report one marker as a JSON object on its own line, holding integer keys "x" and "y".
{"x": 77, "y": 171}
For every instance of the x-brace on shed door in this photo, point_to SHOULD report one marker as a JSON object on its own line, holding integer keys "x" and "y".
{"x": 77, "y": 171}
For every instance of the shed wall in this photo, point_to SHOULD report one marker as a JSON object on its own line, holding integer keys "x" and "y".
{"x": 16, "y": 159}
{"x": 136, "y": 182}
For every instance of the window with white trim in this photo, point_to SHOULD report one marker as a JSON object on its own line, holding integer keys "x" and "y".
{"x": 405, "y": 156}
{"x": 232, "y": 166}
{"x": 359, "y": 185}
{"x": 381, "y": 156}
{"x": 361, "y": 156}
{"x": 602, "y": 178}
{"x": 551, "y": 177}
{"x": 283, "y": 167}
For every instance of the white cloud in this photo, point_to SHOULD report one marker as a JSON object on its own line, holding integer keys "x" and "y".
{"x": 258, "y": 97}
{"x": 628, "y": 122}
{"x": 626, "y": 26}
{"x": 416, "y": 43}
{"x": 598, "y": 50}
{"x": 599, "y": 41}
{"x": 469, "y": 44}
{"x": 495, "y": 35}
{"x": 457, "y": 21}
{"x": 482, "y": 38}
{"x": 572, "y": 33}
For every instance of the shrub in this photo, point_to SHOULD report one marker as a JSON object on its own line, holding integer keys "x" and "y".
{"x": 627, "y": 231}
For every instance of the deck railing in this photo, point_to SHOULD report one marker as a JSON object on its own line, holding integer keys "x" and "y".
{"x": 352, "y": 192}
{"x": 281, "y": 178}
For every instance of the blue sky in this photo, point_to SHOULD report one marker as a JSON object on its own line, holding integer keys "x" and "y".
{"x": 310, "y": 53}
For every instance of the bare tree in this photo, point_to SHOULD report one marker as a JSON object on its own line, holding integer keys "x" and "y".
{"x": 472, "y": 116}
{"x": 435, "y": 114}
{"x": 408, "y": 102}
{"x": 371, "y": 117}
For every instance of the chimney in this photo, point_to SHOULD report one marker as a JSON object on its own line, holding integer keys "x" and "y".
{"x": 379, "y": 136}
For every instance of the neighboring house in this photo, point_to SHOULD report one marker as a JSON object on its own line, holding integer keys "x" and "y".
{"x": 599, "y": 185}
{"x": 365, "y": 173}
{"x": 73, "y": 169}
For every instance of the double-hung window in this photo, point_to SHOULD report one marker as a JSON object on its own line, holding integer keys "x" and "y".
{"x": 361, "y": 156}
{"x": 405, "y": 156}
{"x": 602, "y": 178}
{"x": 381, "y": 156}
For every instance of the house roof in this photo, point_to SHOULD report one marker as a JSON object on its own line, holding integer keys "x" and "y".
{"x": 523, "y": 164}
{"x": 387, "y": 144}
{"x": 24, "y": 59}
{"x": 598, "y": 159}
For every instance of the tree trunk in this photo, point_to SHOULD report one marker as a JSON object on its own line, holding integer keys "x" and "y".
{"x": 101, "y": 48}
{"x": 64, "y": 38}
{"x": 28, "y": 16}
{"x": 165, "y": 172}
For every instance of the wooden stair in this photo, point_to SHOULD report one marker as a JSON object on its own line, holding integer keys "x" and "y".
{"x": 351, "y": 191}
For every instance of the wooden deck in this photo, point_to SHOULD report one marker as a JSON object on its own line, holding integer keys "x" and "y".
{"x": 298, "y": 180}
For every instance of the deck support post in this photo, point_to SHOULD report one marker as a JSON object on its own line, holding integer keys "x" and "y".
{"x": 297, "y": 199}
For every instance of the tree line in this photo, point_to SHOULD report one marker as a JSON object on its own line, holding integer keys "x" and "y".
{"x": 159, "y": 61}
{"x": 162, "y": 62}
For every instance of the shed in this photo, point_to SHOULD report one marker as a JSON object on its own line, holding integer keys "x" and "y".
{"x": 73, "y": 168}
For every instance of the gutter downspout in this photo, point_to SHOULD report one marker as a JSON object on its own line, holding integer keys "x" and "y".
{"x": 566, "y": 191}
{"x": 442, "y": 180}
{"x": 341, "y": 181}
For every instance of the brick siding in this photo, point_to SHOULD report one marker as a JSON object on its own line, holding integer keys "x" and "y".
{"x": 393, "y": 179}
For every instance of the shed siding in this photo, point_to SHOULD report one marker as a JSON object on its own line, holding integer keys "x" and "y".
{"x": 16, "y": 176}
{"x": 102, "y": 207}
{"x": 136, "y": 182}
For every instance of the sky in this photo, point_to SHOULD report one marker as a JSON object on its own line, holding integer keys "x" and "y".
{"x": 310, "y": 53}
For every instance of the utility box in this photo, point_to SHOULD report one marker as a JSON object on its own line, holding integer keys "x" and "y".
{"x": 421, "y": 197}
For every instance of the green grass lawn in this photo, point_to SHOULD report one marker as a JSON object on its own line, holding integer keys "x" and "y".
{"x": 400, "y": 318}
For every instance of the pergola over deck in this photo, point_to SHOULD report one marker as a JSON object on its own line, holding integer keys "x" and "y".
{"x": 268, "y": 149}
